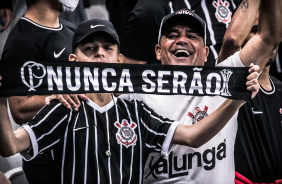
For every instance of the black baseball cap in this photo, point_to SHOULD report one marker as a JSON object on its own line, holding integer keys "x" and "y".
{"x": 187, "y": 16}
{"x": 88, "y": 27}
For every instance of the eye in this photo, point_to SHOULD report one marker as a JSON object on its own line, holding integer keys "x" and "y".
{"x": 172, "y": 35}
{"x": 109, "y": 47}
{"x": 89, "y": 48}
{"x": 191, "y": 36}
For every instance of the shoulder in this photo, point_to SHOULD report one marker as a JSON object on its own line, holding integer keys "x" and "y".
{"x": 127, "y": 101}
{"x": 277, "y": 83}
{"x": 132, "y": 103}
{"x": 68, "y": 25}
{"x": 23, "y": 41}
{"x": 55, "y": 107}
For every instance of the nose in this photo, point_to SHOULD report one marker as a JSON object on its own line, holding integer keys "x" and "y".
{"x": 182, "y": 40}
{"x": 99, "y": 52}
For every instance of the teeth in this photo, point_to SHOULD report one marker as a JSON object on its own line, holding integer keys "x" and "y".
{"x": 182, "y": 53}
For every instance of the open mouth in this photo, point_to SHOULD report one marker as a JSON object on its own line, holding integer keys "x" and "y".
{"x": 181, "y": 53}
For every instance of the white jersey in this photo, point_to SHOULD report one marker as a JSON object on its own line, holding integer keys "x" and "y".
{"x": 211, "y": 163}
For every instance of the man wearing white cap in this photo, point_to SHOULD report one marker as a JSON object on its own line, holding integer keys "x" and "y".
{"x": 182, "y": 42}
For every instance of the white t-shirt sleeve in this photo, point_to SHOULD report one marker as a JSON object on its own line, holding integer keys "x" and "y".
{"x": 167, "y": 146}
{"x": 232, "y": 61}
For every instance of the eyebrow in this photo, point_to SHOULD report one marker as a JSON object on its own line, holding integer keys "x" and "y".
{"x": 176, "y": 30}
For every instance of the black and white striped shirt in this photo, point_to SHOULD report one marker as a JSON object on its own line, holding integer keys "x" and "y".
{"x": 128, "y": 130}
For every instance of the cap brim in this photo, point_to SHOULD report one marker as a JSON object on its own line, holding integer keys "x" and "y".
{"x": 189, "y": 21}
{"x": 100, "y": 29}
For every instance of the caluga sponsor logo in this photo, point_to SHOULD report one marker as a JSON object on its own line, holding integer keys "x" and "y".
{"x": 126, "y": 134}
{"x": 179, "y": 165}
{"x": 223, "y": 13}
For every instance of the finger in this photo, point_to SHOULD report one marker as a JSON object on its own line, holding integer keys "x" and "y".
{"x": 83, "y": 97}
{"x": 63, "y": 101}
{"x": 70, "y": 102}
{"x": 251, "y": 82}
{"x": 254, "y": 89}
{"x": 48, "y": 99}
{"x": 254, "y": 68}
{"x": 75, "y": 98}
{"x": 251, "y": 76}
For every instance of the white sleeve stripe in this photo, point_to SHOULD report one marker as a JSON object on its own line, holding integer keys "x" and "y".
{"x": 26, "y": 156}
{"x": 49, "y": 145}
{"x": 152, "y": 131}
{"x": 154, "y": 147}
{"x": 51, "y": 131}
{"x": 167, "y": 147}
{"x": 150, "y": 146}
{"x": 59, "y": 104}
{"x": 156, "y": 118}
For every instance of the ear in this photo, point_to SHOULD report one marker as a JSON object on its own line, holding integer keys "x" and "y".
{"x": 120, "y": 58}
{"x": 206, "y": 53}
{"x": 158, "y": 49}
{"x": 72, "y": 57}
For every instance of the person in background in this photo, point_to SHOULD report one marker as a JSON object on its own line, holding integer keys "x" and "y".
{"x": 138, "y": 22}
{"x": 4, "y": 179}
{"x": 38, "y": 35}
{"x": 258, "y": 148}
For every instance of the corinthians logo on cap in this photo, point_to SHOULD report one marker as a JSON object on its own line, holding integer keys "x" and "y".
{"x": 185, "y": 12}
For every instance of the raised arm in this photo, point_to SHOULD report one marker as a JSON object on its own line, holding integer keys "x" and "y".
{"x": 24, "y": 108}
{"x": 11, "y": 142}
{"x": 239, "y": 28}
{"x": 199, "y": 133}
{"x": 260, "y": 47}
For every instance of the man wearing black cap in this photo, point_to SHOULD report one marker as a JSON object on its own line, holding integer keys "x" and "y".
{"x": 108, "y": 139}
{"x": 182, "y": 42}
